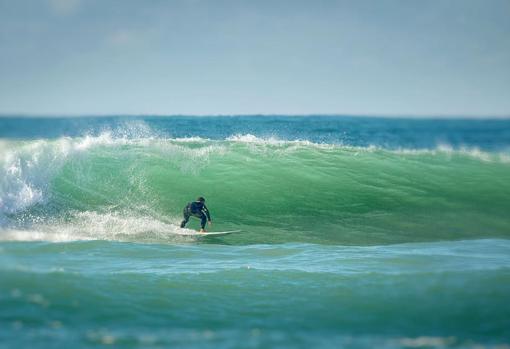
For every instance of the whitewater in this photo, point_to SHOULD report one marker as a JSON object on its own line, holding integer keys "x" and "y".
{"x": 355, "y": 232}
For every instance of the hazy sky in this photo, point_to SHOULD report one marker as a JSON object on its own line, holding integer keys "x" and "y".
{"x": 383, "y": 57}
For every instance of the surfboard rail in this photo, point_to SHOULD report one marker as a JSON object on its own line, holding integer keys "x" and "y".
{"x": 213, "y": 233}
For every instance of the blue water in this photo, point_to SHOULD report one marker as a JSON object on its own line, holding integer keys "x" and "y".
{"x": 492, "y": 134}
{"x": 355, "y": 232}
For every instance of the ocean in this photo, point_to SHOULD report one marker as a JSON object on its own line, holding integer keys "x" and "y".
{"x": 356, "y": 232}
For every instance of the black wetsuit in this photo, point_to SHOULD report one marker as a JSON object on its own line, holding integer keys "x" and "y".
{"x": 196, "y": 209}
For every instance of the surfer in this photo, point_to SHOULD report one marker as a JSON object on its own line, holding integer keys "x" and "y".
{"x": 199, "y": 210}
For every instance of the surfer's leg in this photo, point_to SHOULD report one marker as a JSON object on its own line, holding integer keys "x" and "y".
{"x": 203, "y": 220}
{"x": 186, "y": 215}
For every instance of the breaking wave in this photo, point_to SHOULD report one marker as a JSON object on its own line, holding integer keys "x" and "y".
{"x": 133, "y": 187}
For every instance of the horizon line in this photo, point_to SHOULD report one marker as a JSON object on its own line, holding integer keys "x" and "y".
{"x": 159, "y": 115}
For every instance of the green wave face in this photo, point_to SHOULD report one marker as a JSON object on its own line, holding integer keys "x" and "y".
{"x": 279, "y": 191}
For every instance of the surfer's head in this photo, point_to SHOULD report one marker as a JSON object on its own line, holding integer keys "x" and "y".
{"x": 200, "y": 199}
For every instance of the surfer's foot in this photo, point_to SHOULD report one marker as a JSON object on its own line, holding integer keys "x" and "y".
{"x": 202, "y": 231}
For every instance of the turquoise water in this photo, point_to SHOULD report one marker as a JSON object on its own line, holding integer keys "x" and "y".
{"x": 355, "y": 233}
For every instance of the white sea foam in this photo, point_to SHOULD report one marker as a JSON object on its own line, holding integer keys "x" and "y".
{"x": 274, "y": 141}
{"x": 25, "y": 170}
{"x": 26, "y": 167}
{"x": 91, "y": 225}
{"x": 448, "y": 150}
{"x": 191, "y": 140}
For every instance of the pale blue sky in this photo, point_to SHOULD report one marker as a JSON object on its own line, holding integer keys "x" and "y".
{"x": 380, "y": 57}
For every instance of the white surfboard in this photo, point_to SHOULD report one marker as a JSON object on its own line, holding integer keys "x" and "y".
{"x": 213, "y": 233}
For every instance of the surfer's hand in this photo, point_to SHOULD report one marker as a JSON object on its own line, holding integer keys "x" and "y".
{"x": 210, "y": 223}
